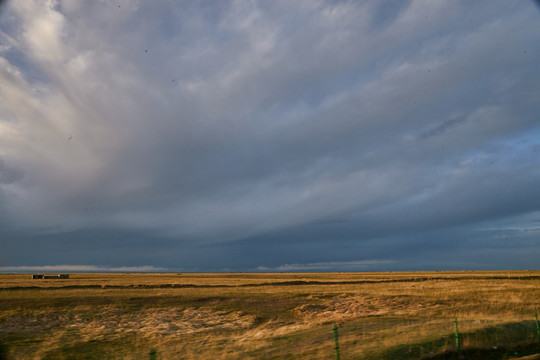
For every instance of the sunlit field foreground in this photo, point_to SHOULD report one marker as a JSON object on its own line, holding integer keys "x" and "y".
{"x": 270, "y": 316}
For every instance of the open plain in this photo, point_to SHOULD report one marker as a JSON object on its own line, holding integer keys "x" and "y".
{"x": 270, "y": 316}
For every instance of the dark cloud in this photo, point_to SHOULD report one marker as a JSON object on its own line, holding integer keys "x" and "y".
{"x": 9, "y": 174}
{"x": 267, "y": 134}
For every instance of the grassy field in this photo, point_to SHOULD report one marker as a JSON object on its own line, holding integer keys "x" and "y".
{"x": 270, "y": 316}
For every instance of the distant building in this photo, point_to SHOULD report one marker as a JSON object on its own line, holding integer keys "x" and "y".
{"x": 42, "y": 276}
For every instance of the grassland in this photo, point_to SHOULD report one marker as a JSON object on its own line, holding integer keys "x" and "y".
{"x": 269, "y": 316}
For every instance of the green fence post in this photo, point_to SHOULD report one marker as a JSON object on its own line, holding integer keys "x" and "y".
{"x": 456, "y": 333}
{"x": 336, "y": 342}
{"x": 537, "y": 326}
{"x": 153, "y": 354}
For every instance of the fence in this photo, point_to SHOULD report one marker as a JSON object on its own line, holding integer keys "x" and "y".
{"x": 437, "y": 339}
{"x": 441, "y": 339}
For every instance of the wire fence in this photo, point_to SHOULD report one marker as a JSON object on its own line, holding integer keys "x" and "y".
{"x": 480, "y": 338}
{"x": 387, "y": 338}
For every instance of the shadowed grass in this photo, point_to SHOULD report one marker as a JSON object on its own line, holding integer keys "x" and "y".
{"x": 494, "y": 342}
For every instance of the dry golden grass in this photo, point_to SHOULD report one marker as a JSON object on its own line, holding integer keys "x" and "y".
{"x": 264, "y": 316}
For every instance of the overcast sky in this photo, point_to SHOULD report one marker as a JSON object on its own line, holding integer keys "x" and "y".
{"x": 269, "y": 135}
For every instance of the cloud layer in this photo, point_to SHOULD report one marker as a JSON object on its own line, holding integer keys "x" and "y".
{"x": 232, "y": 125}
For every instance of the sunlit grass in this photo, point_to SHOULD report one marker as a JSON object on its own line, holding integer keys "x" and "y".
{"x": 258, "y": 316}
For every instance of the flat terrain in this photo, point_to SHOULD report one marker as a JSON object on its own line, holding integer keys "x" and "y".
{"x": 270, "y": 316}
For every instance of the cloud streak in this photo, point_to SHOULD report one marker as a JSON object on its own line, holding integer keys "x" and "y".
{"x": 330, "y": 266}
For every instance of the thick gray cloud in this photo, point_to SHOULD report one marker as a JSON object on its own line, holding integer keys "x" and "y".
{"x": 269, "y": 135}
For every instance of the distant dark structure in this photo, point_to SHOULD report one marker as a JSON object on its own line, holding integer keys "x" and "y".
{"x": 42, "y": 276}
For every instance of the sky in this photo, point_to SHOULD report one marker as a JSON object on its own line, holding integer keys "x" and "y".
{"x": 269, "y": 135}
